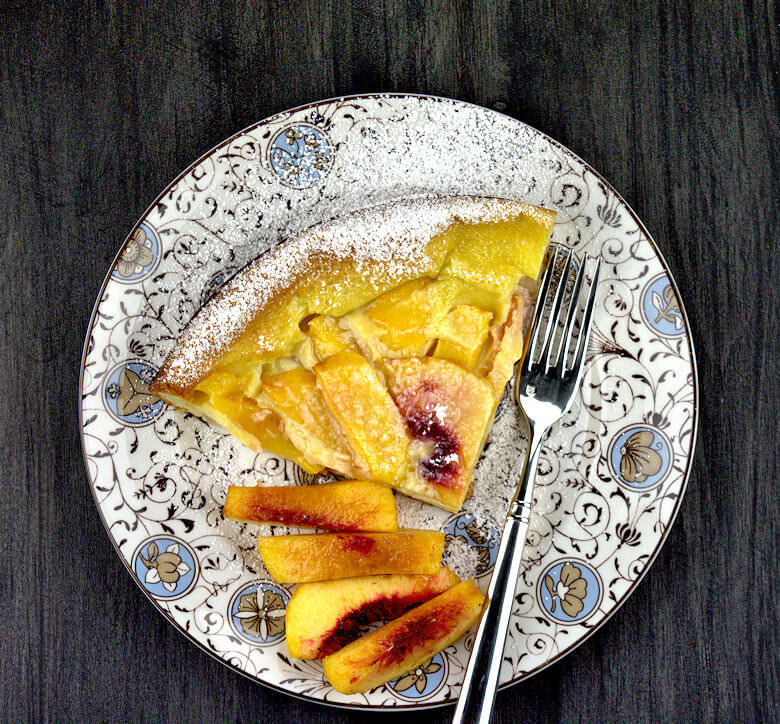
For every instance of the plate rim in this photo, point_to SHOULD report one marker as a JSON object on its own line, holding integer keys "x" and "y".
{"x": 566, "y": 151}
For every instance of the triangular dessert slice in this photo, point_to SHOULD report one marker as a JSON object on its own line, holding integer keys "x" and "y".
{"x": 377, "y": 345}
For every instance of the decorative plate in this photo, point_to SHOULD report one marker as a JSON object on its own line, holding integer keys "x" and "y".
{"x": 613, "y": 471}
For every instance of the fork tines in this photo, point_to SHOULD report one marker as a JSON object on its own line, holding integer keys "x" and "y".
{"x": 553, "y": 332}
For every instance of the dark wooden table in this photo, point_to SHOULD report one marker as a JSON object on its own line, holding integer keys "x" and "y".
{"x": 104, "y": 102}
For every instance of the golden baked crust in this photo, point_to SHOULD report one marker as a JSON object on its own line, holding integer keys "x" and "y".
{"x": 427, "y": 277}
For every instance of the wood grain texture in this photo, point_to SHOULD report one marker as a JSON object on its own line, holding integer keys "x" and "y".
{"x": 103, "y": 103}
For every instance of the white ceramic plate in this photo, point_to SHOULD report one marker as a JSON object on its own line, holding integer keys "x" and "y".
{"x": 613, "y": 472}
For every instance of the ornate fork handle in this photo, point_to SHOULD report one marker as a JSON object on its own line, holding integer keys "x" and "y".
{"x": 484, "y": 667}
{"x": 546, "y": 386}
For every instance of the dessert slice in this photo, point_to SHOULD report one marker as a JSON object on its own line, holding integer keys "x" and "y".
{"x": 448, "y": 412}
{"x": 325, "y": 556}
{"x": 405, "y": 643}
{"x": 345, "y": 506}
{"x": 323, "y": 617}
{"x": 294, "y": 354}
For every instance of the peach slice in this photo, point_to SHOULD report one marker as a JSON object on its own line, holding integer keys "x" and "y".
{"x": 328, "y": 337}
{"x": 461, "y": 334}
{"x": 359, "y": 402}
{"x": 323, "y": 617}
{"x": 405, "y": 643}
{"x": 394, "y": 323}
{"x": 325, "y": 556}
{"x": 397, "y": 323}
{"x": 259, "y": 428}
{"x": 402, "y": 314}
{"x": 354, "y": 505}
{"x": 295, "y": 397}
{"x": 448, "y": 412}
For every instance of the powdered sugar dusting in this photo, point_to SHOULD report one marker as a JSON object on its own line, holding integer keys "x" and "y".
{"x": 461, "y": 559}
{"x": 385, "y": 241}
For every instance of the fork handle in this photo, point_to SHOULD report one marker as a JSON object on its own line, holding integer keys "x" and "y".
{"x": 478, "y": 694}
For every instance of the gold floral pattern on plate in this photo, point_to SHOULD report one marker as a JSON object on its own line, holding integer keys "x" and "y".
{"x": 570, "y": 591}
{"x": 133, "y": 393}
{"x": 638, "y": 460}
{"x": 166, "y": 567}
{"x": 668, "y": 307}
{"x": 417, "y": 678}
{"x": 136, "y": 254}
{"x": 261, "y": 617}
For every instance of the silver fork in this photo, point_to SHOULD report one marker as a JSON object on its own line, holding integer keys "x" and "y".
{"x": 545, "y": 388}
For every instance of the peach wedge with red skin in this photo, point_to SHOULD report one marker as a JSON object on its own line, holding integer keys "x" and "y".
{"x": 326, "y": 556}
{"x": 448, "y": 411}
{"x": 348, "y": 506}
{"x": 323, "y": 617}
{"x": 406, "y": 643}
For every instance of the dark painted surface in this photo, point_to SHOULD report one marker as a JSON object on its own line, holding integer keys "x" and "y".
{"x": 103, "y": 103}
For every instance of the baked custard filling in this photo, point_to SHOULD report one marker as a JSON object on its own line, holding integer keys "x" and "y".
{"x": 377, "y": 345}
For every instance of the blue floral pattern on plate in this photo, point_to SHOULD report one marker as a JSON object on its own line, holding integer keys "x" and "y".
{"x": 422, "y": 681}
{"x": 166, "y": 567}
{"x": 569, "y": 591}
{"x": 661, "y": 308}
{"x": 257, "y": 612}
{"x": 300, "y": 155}
{"x": 139, "y": 256}
{"x": 126, "y": 394}
{"x": 483, "y": 541}
{"x": 640, "y": 457}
